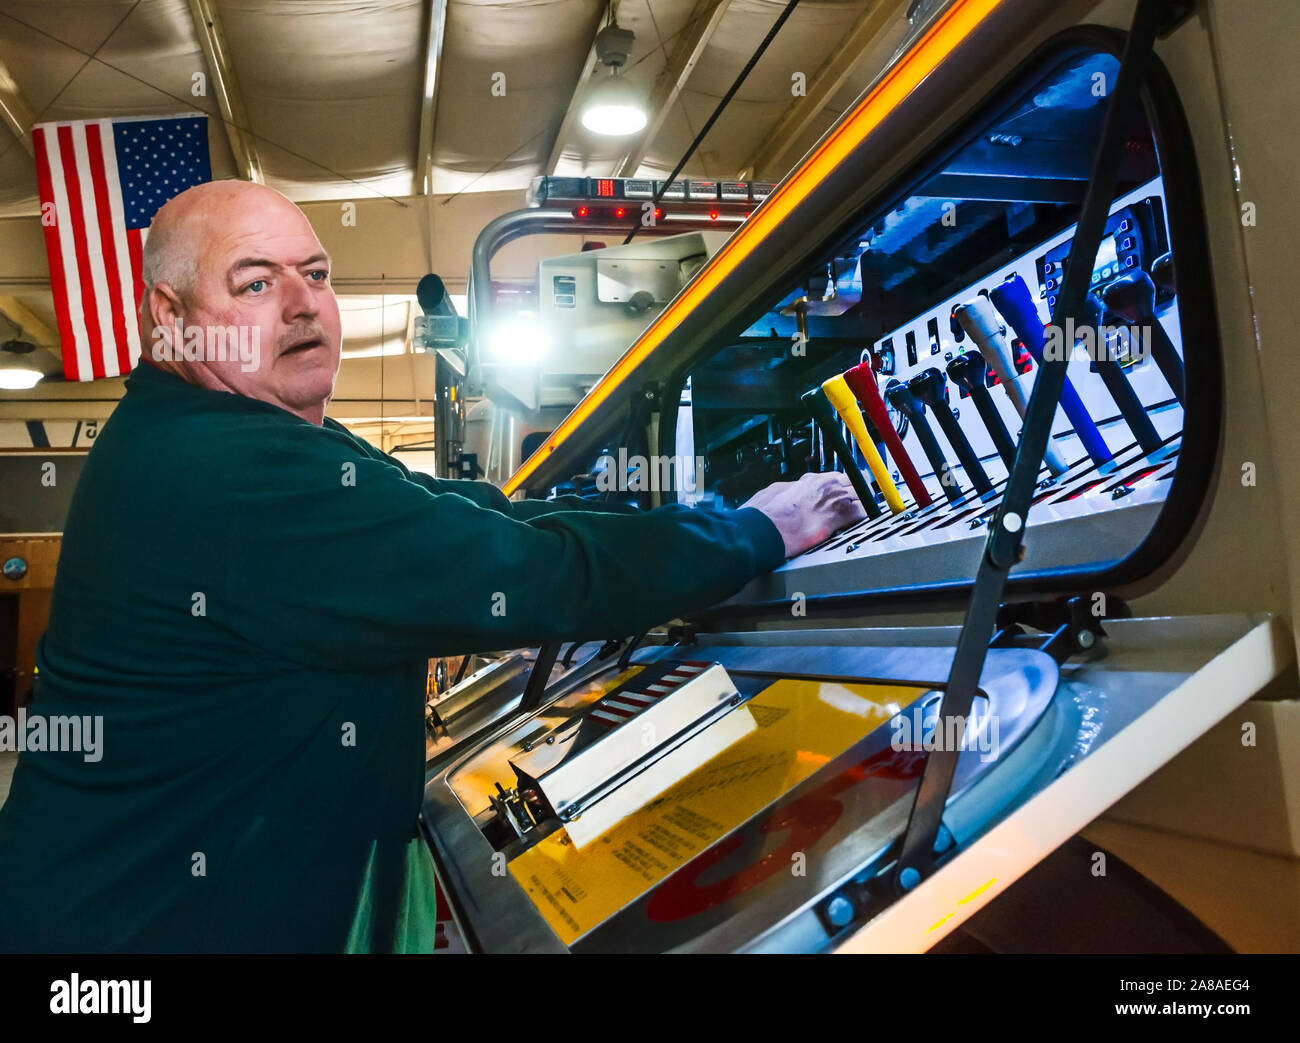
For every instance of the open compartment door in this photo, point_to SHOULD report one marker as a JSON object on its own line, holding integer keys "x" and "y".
{"x": 1163, "y": 684}
{"x": 786, "y": 840}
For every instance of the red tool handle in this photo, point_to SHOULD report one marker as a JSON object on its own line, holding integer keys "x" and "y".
{"x": 862, "y": 382}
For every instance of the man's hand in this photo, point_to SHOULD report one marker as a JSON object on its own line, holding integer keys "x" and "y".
{"x": 810, "y": 510}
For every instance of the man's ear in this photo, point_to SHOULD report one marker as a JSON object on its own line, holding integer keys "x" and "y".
{"x": 163, "y": 313}
{"x": 165, "y": 307}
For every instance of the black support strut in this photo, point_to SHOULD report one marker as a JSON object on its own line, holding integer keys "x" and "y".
{"x": 1003, "y": 548}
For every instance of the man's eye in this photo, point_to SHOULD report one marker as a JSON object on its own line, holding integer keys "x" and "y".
{"x": 257, "y": 285}
{"x": 319, "y": 272}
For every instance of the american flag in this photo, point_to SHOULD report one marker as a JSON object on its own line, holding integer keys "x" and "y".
{"x": 101, "y": 182}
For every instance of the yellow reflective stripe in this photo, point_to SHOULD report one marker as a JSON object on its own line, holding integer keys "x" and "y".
{"x": 958, "y": 22}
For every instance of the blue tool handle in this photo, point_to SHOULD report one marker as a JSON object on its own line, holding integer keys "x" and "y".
{"x": 1013, "y": 299}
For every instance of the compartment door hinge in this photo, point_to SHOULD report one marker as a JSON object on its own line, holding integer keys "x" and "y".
{"x": 1068, "y": 626}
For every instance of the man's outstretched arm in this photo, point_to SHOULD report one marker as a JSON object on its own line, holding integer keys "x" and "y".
{"x": 485, "y": 494}
{"x": 383, "y": 570}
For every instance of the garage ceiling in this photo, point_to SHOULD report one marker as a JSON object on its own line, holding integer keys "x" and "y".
{"x": 385, "y": 100}
{"x": 333, "y": 91}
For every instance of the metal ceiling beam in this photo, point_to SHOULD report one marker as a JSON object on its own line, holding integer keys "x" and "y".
{"x": 28, "y": 321}
{"x": 30, "y": 325}
{"x": 225, "y": 87}
{"x": 788, "y": 130}
{"x": 691, "y": 43}
{"x": 435, "y": 34}
{"x": 15, "y": 113}
{"x": 575, "y": 100}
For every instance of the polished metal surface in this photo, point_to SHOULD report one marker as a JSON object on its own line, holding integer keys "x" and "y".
{"x": 587, "y": 758}
{"x": 496, "y": 915}
{"x": 489, "y": 699}
{"x": 483, "y": 697}
{"x": 780, "y": 914}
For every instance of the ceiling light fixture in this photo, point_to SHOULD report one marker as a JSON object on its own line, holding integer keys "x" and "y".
{"x": 614, "y": 105}
{"x": 17, "y": 373}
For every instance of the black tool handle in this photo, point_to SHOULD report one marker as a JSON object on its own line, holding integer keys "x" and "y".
{"x": 1116, "y": 380}
{"x": 929, "y": 386}
{"x": 901, "y": 398}
{"x": 1133, "y": 298}
{"x": 819, "y": 406}
{"x": 968, "y": 370}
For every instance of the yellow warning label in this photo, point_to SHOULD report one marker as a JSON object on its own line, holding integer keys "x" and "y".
{"x": 802, "y": 725}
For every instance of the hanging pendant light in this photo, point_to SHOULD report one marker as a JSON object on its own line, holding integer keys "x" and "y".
{"x": 17, "y": 370}
{"x": 614, "y": 107}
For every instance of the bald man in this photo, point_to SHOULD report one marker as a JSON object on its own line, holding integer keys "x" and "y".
{"x": 248, "y": 596}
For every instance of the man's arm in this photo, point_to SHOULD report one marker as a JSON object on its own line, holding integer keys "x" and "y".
{"x": 485, "y": 494}
{"x": 377, "y": 569}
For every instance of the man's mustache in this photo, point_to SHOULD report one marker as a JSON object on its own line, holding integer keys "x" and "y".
{"x": 299, "y": 336}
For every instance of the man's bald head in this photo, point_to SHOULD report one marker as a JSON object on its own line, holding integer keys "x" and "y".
{"x": 170, "y": 254}
{"x": 181, "y": 226}
{"x": 236, "y": 258}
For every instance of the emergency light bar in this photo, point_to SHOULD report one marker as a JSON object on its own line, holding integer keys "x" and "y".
{"x": 693, "y": 195}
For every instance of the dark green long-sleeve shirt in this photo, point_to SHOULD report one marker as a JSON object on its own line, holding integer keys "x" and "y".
{"x": 249, "y": 600}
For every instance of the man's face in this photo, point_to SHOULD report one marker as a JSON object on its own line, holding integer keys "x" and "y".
{"x": 262, "y": 270}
